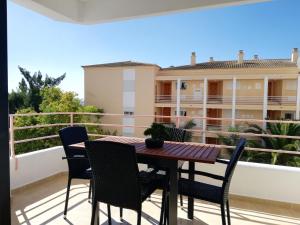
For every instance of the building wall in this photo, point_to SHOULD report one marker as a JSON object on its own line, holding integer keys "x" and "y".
{"x": 105, "y": 88}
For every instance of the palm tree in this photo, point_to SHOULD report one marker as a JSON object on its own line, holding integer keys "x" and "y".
{"x": 288, "y": 129}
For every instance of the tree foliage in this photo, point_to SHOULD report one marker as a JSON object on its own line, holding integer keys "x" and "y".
{"x": 289, "y": 144}
{"x": 41, "y": 94}
{"x": 28, "y": 94}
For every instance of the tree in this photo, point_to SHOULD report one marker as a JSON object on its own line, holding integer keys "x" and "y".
{"x": 54, "y": 100}
{"x": 28, "y": 94}
{"x": 288, "y": 129}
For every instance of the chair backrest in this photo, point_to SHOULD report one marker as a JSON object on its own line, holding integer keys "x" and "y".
{"x": 175, "y": 134}
{"x": 73, "y": 135}
{"x": 236, "y": 155}
{"x": 115, "y": 173}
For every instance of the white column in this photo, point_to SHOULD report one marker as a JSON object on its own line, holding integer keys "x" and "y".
{"x": 233, "y": 107}
{"x": 298, "y": 100}
{"x": 204, "y": 110}
{"x": 265, "y": 100}
{"x": 178, "y": 102}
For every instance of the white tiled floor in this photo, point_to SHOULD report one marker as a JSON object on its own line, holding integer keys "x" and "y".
{"x": 43, "y": 203}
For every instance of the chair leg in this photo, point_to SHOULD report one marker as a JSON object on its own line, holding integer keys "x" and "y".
{"x": 121, "y": 213}
{"x": 162, "y": 211}
{"x": 67, "y": 196}
{"x": 228, "y": 213}
{"x": 181, "y": 198}
{"x": 166, "y": 217}
{"x": 139, "y": 217}
{"x": 108, "y": 214}
{"x": 223, "y": 214}
{"x": 94, "y": 211}
{"x": 90, "y": 189}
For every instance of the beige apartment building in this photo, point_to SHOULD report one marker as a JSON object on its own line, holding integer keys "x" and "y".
{"x": 237, "y": 89}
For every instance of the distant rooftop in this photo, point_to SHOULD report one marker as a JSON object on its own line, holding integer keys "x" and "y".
{"x": 121, "y": 64}
{"x": 234, "y": 64}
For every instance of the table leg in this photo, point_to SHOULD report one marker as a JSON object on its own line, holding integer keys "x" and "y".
{"x": 173, "y": 192}
{"x": 191, "y": 200}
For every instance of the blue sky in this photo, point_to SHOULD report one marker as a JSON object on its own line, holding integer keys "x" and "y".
{"x": 36, "y": 42}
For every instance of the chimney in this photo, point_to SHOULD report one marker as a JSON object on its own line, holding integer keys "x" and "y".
{"x": 211, "y": 59}
{"x": 241, "y": 56}
{"x": 295, "y": 55}
{"x": 255, "y": 57}
{"x": 193, "y": 58}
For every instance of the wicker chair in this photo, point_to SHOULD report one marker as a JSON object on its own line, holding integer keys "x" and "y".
{"x": 79, "y": 166}
{"x": 212, "y": 193}
{"x": 117, "y": 180}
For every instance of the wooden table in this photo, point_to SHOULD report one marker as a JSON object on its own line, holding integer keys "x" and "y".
{"x": 169, "y": 156}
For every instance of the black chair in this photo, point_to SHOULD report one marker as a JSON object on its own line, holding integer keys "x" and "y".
{"x": 212, "y": 193}
{"x": 78, "y": 163}
{"x": 117, "y": 180}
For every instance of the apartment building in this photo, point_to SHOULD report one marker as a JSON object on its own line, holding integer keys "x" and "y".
{"x": 237, "y": 89}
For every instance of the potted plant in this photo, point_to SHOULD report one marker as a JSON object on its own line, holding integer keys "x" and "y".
{"x": 158, "y": 133}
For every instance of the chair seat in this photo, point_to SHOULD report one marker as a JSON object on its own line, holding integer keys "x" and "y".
{"x": 150, "y": 181}
{"x": 200, "y": 190}
{"x": 87, "y": 175}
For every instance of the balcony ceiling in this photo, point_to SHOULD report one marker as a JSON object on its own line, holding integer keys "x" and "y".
{"x": 100, "y": 11}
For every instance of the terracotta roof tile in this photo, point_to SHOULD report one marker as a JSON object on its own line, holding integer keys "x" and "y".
{"x": 265, "y": 63}
{"x": 121, "y": 64}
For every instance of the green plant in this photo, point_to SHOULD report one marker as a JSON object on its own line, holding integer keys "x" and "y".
{"x": 156, "y": 131}
{"x": 289, "y": 144}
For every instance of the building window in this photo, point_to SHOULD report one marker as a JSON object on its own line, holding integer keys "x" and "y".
{"x": 182, "y": 113}
{"x": 128, "y": 113}
{"x": 183, "y": 85}
{"x": 258, "y": 86}
{"x": 289, "y": 116}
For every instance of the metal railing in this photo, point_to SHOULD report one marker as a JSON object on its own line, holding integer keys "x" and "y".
{"x": 217, "y": 99}
{"x": 177, "y": 119}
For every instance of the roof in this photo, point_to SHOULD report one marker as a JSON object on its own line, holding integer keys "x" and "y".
{"x": 258, "y": 63}
{"x": 121, "y": 64}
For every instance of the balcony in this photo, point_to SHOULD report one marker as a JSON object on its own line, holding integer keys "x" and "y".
{"x": 256, "y": 192}
{"x": 227, "y": 100}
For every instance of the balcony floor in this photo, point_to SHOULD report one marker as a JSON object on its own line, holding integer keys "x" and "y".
{"x": 43, "y": 203}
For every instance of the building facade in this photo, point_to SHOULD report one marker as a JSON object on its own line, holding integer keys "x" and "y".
{"x": 237, "y": 89}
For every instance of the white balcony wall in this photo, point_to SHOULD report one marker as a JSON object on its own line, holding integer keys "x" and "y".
{"x": 277, "y": 183}
{"x": 262, "y": 181}
{"x": 38, "y": 165}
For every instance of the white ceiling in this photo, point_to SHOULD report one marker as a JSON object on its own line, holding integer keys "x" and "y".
{"x": 99, "y": 11}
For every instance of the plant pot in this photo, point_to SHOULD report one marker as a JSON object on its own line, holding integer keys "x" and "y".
{"x": 154, "y": 143}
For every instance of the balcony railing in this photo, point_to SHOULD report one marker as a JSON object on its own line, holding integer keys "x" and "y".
{"x": 205, "y": 127}
{"x": 218, "y": 99}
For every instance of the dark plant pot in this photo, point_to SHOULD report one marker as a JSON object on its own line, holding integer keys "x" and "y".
{"x": 154, "y": 143}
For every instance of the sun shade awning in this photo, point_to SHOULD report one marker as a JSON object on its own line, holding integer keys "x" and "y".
{"x": 99, "y": 11}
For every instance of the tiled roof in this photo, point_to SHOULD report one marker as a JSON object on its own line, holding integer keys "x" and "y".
{"x": 258, "y": 63}
{"x": 121, "y": 64}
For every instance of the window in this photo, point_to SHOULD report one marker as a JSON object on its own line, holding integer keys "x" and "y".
{"x": 128, "y": 113}
{"x": 182, "y": 113}
{"x": 258, "y": 86}
{"x": 289, "y": 116}
{"x": 183, "y": 85}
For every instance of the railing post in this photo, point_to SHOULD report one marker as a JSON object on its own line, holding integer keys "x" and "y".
{"x": 265, "y": 101}
{"x": 12, "y": 140}
{"x": 178, "y": 102}
{"x": 71, "y": 119}
{"x": 298, "y": 100}
{"x": 233, "y": 112}
{"x": 204, "y": 113}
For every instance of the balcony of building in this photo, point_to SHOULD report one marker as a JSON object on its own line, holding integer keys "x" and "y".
{"x": 38, "y": 195}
